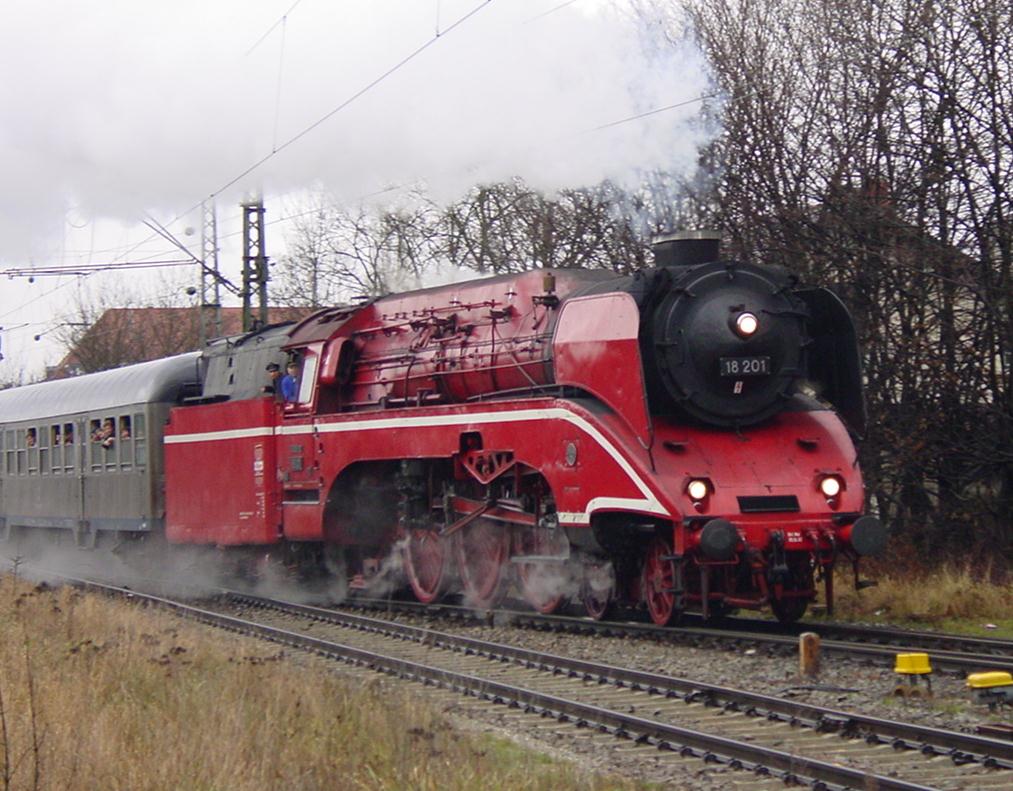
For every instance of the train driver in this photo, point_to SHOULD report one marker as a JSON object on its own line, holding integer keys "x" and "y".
{"x": 273, "y": 374}
{"x": 290, "y": 382}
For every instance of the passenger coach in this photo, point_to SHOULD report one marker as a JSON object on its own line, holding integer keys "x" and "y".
{"x": 84, "y": 455}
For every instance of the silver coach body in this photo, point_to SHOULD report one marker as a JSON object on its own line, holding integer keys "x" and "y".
{"x": 85, "y": 454}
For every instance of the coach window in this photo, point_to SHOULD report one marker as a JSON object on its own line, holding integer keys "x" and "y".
{"x": 126, "y": 442}
{"x": 22, "y": 453}
{"x": 9, "y": 452}
{"x": 43, "y": 450}
{"x": 32, "y": 441}
{"x": 140, "y": 446}
{"x": 109, "y": 442}
{"x": 95, "y": 444}
{"x": 69, "y": 454}
{"x": 56, "y": 438}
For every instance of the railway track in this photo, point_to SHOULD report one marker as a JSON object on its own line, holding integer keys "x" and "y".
{"x": 947, "y": 653}
{"x": 891, "y": 637}
{"x": 662, "y": 719}
{"x": 957, "y": 654}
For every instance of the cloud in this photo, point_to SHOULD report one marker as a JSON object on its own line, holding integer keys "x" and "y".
{"x": 125, "y": 107}
{"x": 111, "y": 110}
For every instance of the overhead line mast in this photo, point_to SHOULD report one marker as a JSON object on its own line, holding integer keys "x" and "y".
{"x": 254, "y": 263}
{"x": 209, "y": 270}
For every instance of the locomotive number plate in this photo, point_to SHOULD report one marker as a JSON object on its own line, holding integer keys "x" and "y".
{"x": 745, "y": 366}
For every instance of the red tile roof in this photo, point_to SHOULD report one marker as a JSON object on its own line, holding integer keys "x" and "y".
{"x": 123, "y": 336}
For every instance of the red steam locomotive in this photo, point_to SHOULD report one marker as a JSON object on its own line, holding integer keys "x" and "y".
{"x": 675, "y": 439}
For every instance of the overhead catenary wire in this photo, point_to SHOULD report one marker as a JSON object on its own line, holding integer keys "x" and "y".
{"x": 276, "y": 149}
{"x": 279, "y": 21}
{"x": 655, "y": 111}
{"x": 88, "y": 269}
{"x": 36, "y": 298}
{"x": 331, "y": 113}
{"x": 357, "y": 95}
{"x": 161, "y": 231}
{"x": 552, "y": 10}
{"x": 277, "y": 92}
{"x": 84, "y": 270}
{"x": 589, "y": 130}
{"x": 327, "y": 116}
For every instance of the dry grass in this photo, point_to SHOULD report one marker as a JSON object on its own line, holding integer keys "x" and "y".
{"x": 957, "y": 598}
{"x": 102, "y": 694}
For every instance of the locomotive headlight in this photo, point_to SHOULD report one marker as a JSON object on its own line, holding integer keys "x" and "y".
{"x": 697, "y": 489}
{"x": 746, "y": 324}
{"x": 830, "y": 486}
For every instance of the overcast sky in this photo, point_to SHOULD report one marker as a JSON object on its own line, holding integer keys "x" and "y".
{"x": 113, "y": 111}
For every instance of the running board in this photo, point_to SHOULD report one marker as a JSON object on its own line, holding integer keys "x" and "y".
{"x": 539, "y": 559}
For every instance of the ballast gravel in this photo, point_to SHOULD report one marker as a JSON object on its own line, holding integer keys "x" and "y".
{"x": 844, "y": 684}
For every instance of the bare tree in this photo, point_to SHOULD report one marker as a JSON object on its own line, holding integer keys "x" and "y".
{"x": 12, "y": 379}
{"x": 509, "y": 227}
{"x": 104, "y": 331}
{"x": 869, "y": 146}
{"x": 337, "y": 254}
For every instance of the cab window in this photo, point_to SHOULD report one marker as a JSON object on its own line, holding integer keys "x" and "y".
{"x": 306, "y": 379}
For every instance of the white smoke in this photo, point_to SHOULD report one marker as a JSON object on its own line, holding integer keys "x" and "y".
{"x": 114, "y": 110}
{"x": 119, "y": 108}
{"x": 50, "y": 555}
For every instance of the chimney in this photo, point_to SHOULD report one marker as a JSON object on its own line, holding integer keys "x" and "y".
{"x": 686, "y": 248}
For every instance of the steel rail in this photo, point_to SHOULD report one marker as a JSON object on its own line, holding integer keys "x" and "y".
{"x": 961, "y": 747}
{"x": 951, "y": 661}
{"x": 738, "y": 755}
{"x": 902, "y": 638}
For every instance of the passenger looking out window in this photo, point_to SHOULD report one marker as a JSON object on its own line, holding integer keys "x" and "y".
{"x": 56, "y": 442}
{"x": 103, "y": 433}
